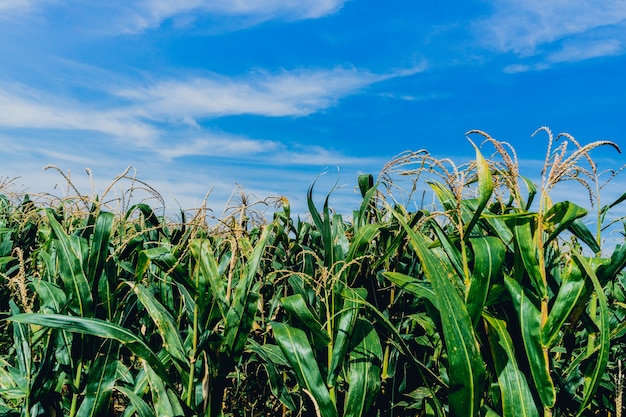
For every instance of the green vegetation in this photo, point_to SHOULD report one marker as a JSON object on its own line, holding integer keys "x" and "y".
{"x": 494, "y": 302}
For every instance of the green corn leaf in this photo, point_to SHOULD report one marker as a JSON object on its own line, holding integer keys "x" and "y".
{"x": 323, "y": 226}
{"x": 413, "y": 286}
{"x": 244, "y": 306}
{"x": 140, "y": 406}
{"x": 530, "y": 324}
{"x": 23, "y": 353}
{"x": 522, "y": 228}
{"x": 71, "y": 269}
{"x": 489, "y": 255}
{"x": 296, "y": 348}
{"x": 159, "y": 393}
{"x": 342, "y": 329}
{"x": 445, "y": 196}
{"x": 581, "y": 231}
{"x": 166, "y": 261}
{"x": 532, "y": 192}
{"x": 466, "y": 366}
{"x": 517, "y": 399}
{"x": 359, "y": 245}
{"x": 453, "y": 253}
{"x": 99, "y": 247}
{"x": 570, "y": 292}
{"x": 100, "y": 383}
{"x": 605, "y": 209}
{"x": 166, "y": 326}
{"x": 209, "y": 273}
{"x": 270, "y": 359}
{"x": 485, "y": 189}
{"x": 365, "y": 369}
{"x": 593, "y": 381}
{"x": 52, "y": 298}
{"x": 99, "y": 328}
{"x": 560, "y": 217}
{"x": 298, "y": 309}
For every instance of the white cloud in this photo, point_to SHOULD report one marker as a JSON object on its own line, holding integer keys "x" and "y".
{"x": 151, "y": 13}
{"x": 580, "y": 51}
{"x": 219, "y": 145}
{"x": 19, "y": 6}
{"x": 523, "y": 26}
{"x": 288, "y": 93}
{"x": 29, "y": 109}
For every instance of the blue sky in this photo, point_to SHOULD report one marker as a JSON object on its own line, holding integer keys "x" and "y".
{"x": 202, "y": 95}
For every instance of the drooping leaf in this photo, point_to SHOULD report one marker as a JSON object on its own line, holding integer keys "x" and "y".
{"x": 296, "y": 348}
{"x": 593, "y": 380}
{"x": 530, "y": 324}
{"x": 517, "y": 399}
{"x": 71, "y": 269}
{"x": 489, "y": 255}
{"x": 99, "y": 328}
{"x": 466, "y": 368}
{"x": 570, "y": 291}
{"x": 560, "y": 217}
{"x": 364, "y": 369}
{"x": 298, "y": 310}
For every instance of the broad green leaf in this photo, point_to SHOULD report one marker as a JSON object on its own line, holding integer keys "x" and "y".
{"x": 140, "y": 406}
{"x": 165, "y": 324}
{"x": 343, "y": 328}
{"x": 532, "y": 192}
{"x": 485, "y": 189}
{"x": 100, "y": 383}
{"x": 489, "y": 255}
{"x": 605, "y": 209}
{"x": 209, "y": 272}
{"x": 99, "y": 247}
{"x": 593, "y": 381}
{"x": 95, "y": 327}
{"x": 413, "y": 286}
{"x": 453, "y": 253}
{"x": 163, "y": 258}
{"x": 52, "y": 297}
{"x": 570, "y": 292}
{"x": 270, "y": 359}
{"x": 244, "y": 306}
{"x": 466, "y": 368}
{"x": 359, "y": 245}
{"x": 364, "y": 375}
{"x": 323, "y": 225}
{"x": 522, "y": 228}
{"x": 581, "y": 231}
{"x": 298, "y": 309}
{"x": 530, "y": 324}
{"x": 517, "y": 399}
{"x": 165, "y": 404}
{"x": 71, "y": 269}
{"x": 296, "y": 348}
{"x": 560, "y": 217}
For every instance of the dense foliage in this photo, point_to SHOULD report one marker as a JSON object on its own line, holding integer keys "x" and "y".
{"x": 493, "y": 302}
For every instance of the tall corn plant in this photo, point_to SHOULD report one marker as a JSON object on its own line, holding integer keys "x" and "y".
{"x": 490, "y": 248}
{"x": 331, "y": 348}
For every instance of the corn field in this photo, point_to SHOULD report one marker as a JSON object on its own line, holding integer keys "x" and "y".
{"x": 494, "y": 301}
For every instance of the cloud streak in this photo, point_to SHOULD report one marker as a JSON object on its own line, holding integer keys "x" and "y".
{"x": 543, "y": 34}
{"x": 287, "y": 93}
{"x": 25, "y": 108}
{"x": 295, "y": 93}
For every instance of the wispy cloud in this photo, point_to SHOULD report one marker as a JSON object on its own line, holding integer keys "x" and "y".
{"x": 21, "y": 107}
{"x": 287, "y": 93}
{"x": 8, "y": 7}
{"x": 546, "y": 33}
